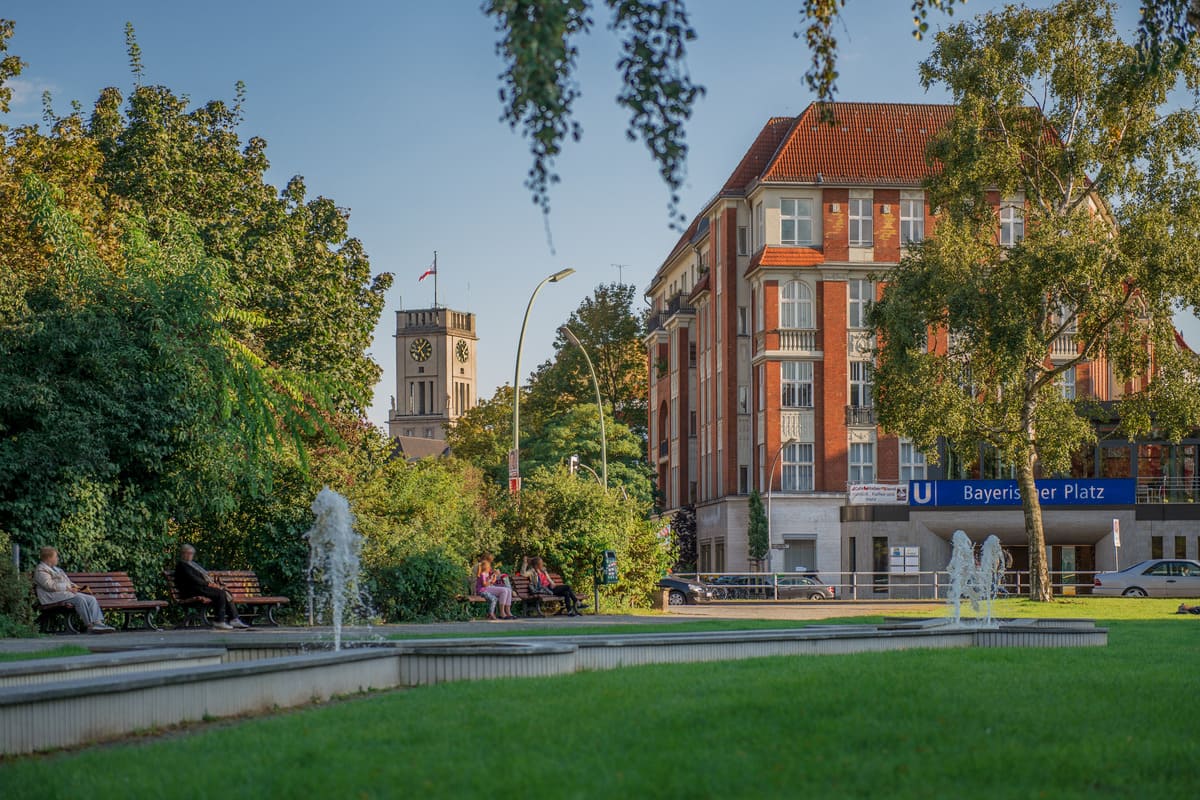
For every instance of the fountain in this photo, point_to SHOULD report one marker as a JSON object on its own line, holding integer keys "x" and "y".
{"x": 334, "y": 549}
{"x": 976, "y": 579}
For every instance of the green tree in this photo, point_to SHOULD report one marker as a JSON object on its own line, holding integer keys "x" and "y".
{"x": 757, "y": 532}
{"x": 607, "y": 326}
{"x": 483, "y": 435}
{"x": 1056, "y": 110}
{"x": 576, "y": 431}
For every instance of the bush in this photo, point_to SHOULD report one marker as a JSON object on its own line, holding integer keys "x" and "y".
{"x": 421, "y": 588}
{"x": 16, "y": 595}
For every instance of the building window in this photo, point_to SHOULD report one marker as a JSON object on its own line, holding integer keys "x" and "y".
{"x": 879, "y": 564}
{"x": 861, "y": 222}
{"x": 1180, "y": 547}
{"x": 1156, "y": 547}
{"x": 743, "y": 399}
{"x": 762, "y": 387}
{"x": 861, "y": 293}
{"x": 743, "y": 480}
{"x": 797, "y": 468}
{"x": 861, "y": 384}
{"x": 743, "y": 321}
{"x": 912, "y": 462}
{"x": 862, "y": 462}
{"x": 795, "y": 221}
{"x": 912, "y": 217}
{"x": 743, "y": 240}
{"x": 796, "y": 382}
{"x": 1012, "y": 222}
{"x": 796, "y": 306}
{"x": 1066, "y": 383}
{"x": 760, "y": 227}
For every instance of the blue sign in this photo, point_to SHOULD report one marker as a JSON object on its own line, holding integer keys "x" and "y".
{"x": 1000, "y": 494}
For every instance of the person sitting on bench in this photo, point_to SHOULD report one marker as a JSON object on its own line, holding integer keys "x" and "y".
{"x": 1184, "y": 608}
{"x": 53, "y": 586}
{"x": 541, "y": 583}
{"x": 193, "y": 580}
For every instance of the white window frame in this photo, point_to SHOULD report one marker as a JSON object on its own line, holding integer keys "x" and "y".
{"x": 862, "y": 384}
{"x": 862, "y": 222}
{"x": 743, "y": 240}
{"x": 1012, "y": 222}
{"x": 913, "y": 466}
{"x": 912, "y": 218}
{"x": 760, "y": 226}
{"x": 862, "y": 462}
{"x": 860, "y": 293}
{"x": 795, "y": 305}
{"x": 797, "y": 467}
{"x": 1066, "y": 383}
{"x": 762, "y": 387}
{"x": 743, "y": 321}
{"x": 798, "y": 212}
{"x": 796, "y": 384}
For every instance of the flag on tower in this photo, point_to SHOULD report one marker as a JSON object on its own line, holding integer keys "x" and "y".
{"x": 431, "y": 271}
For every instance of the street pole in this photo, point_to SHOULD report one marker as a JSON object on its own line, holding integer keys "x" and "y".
{"x": 514, "y": 456}
{"x": 770, "y": 490}
{"x": 570, "y": 335}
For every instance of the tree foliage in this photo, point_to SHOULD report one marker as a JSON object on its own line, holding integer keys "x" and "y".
{"x": 757, "y": 529}
{"x": 1055, "y": 110}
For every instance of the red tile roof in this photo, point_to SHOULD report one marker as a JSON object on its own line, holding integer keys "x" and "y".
{"x": 701, "y": 286}
{"x": 869, "y": 143}
{"x": 765, "y": 146}
{"x": 1179, "y": 341}
{"x": 785, "y": 257}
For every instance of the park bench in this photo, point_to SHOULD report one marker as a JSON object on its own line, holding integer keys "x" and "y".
{"x": 535, "y": 602}
{"x": 247, "y": 596}
{"x": 114, "y": 592}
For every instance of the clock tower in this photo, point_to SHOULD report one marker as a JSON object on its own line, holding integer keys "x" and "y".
{"x": 435, "y": 371}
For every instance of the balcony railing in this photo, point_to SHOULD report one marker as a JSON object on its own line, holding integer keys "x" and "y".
{"x": 1064, "y": 347}
{"x": 679, "y": 305}
{"x": 1163, "y": 489}
{"x": 860, "y": 415}
{"x": 797, "y": 339}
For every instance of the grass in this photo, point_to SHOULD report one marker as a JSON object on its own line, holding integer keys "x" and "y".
{"x": 1112, "y": 722}
{"x": 58, "y": 652}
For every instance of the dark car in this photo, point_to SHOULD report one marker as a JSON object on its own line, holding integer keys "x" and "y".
{"x": 682, "y": 591}
{"x": 743, "y": 587}
{"x": 803, "y": 587}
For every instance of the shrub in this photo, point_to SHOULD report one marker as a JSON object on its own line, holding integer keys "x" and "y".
{"x": 16, "y": 597}
{"x": 420, "y": 588}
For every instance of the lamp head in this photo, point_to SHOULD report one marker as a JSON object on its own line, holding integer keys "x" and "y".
{"x": 569, "y": 335}
{"x": 562, "y": 273}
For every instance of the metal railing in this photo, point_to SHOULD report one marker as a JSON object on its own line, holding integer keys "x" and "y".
{"x": 860, "y": 415}
{"x": 917, "y": 586}
{"x": 1164, "y": 489}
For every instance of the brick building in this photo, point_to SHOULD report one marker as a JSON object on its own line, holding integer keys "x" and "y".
{"x": 759, "y": 357}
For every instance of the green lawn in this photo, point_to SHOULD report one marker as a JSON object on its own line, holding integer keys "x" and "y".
{"x": 1114, "y": 722}
{"x": 57, "y": 652}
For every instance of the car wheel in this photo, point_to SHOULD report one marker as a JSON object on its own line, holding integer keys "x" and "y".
{"x": 816, "y": 596}
{"x": 676, "y": 598}
{"x": 1134, "y": 592}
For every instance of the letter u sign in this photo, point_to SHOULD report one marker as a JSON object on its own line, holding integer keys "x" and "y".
{"x": 922, "y": 493}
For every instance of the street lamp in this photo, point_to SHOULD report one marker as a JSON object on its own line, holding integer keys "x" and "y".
{"x": 514, "y": 457}
{"x": 771, "y": 488}
{"x": 573, "y": 339}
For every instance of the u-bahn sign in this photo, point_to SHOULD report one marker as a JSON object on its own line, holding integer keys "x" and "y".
{"x": 1000, "y": 494}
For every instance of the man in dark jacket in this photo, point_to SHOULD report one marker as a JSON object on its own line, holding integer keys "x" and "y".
{"x": 192, "y": 580}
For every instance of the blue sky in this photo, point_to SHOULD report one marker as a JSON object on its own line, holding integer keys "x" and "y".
{"x": 391, "y": 109}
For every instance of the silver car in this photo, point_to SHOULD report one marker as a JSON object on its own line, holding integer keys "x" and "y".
{"x": 1157, "y": 577}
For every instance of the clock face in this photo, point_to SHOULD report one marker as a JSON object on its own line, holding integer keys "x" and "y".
{"x": 420, "y": 350}
{"x": 462, "y": 351}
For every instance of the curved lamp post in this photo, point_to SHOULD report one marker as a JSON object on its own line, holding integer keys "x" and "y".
{"x": 573, "y": 339}
{"x": 514, "y": 457}
{"x": 771, "y": 488}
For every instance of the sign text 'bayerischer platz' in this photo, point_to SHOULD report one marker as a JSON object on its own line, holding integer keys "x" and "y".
{"x": 1051, "y": 492}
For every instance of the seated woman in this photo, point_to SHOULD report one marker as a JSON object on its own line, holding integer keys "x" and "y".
{"x": 53, "y": 586}
{"x": 487, "y": 584}
{"x": 540, "y": 582}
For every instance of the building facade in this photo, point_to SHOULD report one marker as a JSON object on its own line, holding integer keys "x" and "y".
{"x": 435, "y": 371}
{"x": 760, "y": 360}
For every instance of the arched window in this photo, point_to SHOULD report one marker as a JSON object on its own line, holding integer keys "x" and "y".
{"x": 795, "y": 305}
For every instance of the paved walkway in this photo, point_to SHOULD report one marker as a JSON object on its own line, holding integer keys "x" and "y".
{"x": 522, "y": 626}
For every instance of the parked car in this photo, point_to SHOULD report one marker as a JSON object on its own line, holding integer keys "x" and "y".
{"x": 1157, "y": 577}
{"x": 682, "y": 591}
{"x": 803, "y": 587}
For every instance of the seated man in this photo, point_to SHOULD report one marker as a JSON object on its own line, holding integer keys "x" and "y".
{"x": 1184, "y": 608}
{"x": 53, "y": 586}
{"x": 193, "y": 580}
